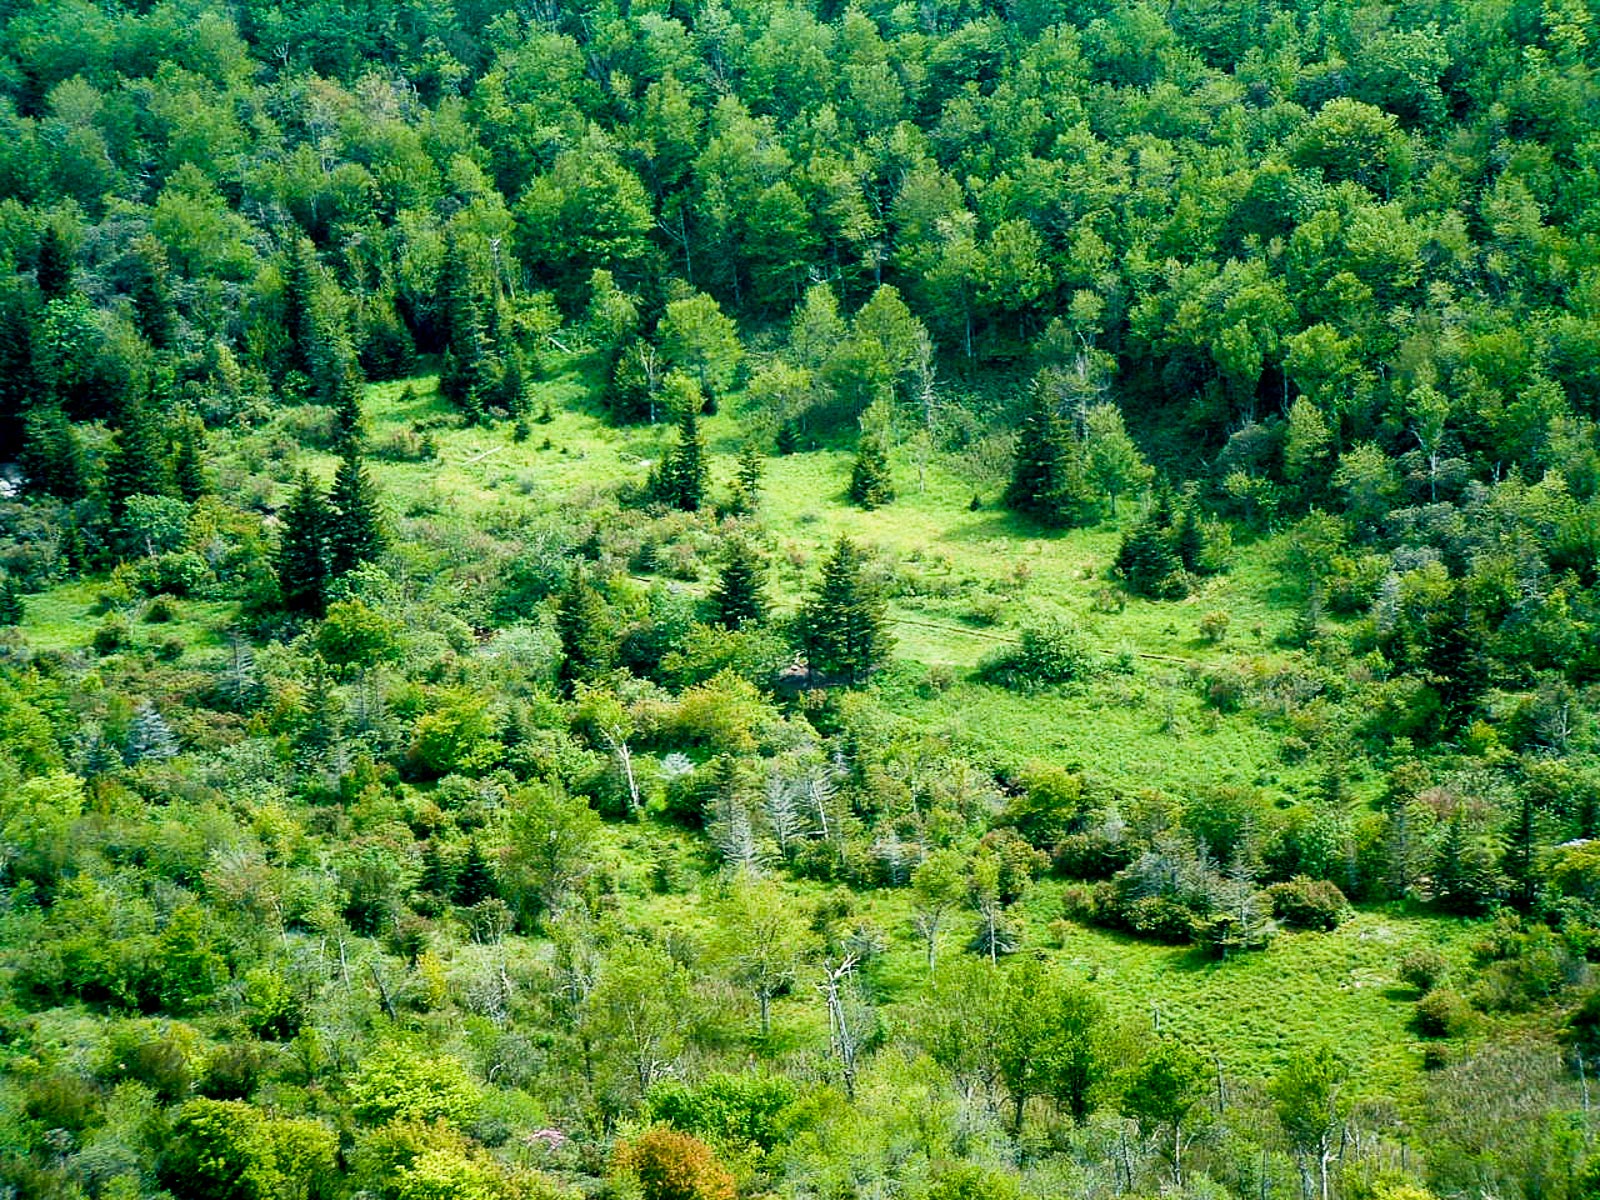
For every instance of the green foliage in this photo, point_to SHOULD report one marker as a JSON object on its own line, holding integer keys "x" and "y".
{"x": 842, "y": 626}
{"x": 1047, "y": 653}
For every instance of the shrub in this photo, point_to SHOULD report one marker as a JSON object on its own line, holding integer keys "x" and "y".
{"x": 1214, "y": 626}
{"x": 673, "y": 1166}
{"x": 1443, "y": 1013}
{"x": 1048, "y": 652}
{"x": 1422, "y": 969}
{"x": 1305, "y": 903}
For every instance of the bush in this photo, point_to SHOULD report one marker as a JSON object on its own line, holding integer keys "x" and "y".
{"x": 1161, "y": 919}
{"x": 673, "y": 1166}
{"x": 1422, "y": 969}
{"x": 1443, "y": 1013}
{"x": 1305, "y": 903}
{"x": 1048, "y": 652}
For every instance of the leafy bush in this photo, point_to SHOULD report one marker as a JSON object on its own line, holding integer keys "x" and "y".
{"x": 669, "y": 1165}
{"x": 1423, "y": 969}
{"x": 1443, "y": 1013}
{"x": 1305, "y": 903}
{"x": 1048, "y": 652}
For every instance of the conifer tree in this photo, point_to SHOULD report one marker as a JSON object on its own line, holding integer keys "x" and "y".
{"x": 188, "y": 461}
{"x": 11, "y": 606}
{"x": 1046, "y": 477}
{"x": 54, "y": 266}
{"x": 739, "y": 597}
{"x": 51, "y": 460}
{"x": 136, "y": 465}
{"x": 302, "y": 560}
{"x": 299, "y": 302}
{"x": 844, "y": 628}
{"x": 152, "y": 298}
{"x": 436, "y": 878}
{"x": 747, "y": 479}
{"x": 871, "y": 484}
{"x": 1148, "y": 559}
{"x": 347, "y": 397}
{"x": 475, "y": 881}
{"x": 464, "y": 374}
{"x": 684, "y": 473}
{"x": 584, "y": 626}
{"x": 355, "y": 526}
{"x": 319, "y": 731}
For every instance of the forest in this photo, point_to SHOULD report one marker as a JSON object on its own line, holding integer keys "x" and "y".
{"x": 799, "y": 599}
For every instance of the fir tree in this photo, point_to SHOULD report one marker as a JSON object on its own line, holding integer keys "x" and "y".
{"x": 136, "y": 465}
{"x": 11, "y": 606}
{"x": 1148, "y": 558}
{"x": 464, "y": 374}
{"x": 683, "y": 474}
{"x": 51, "y": 460}
{"x": 844, "y": 627}
{"x": 347, "y": 397}
{"x": 152, "y": 299}
{"x": 149, "y": 736}
{"x": 319, "y": 728}
{"x": 53, "y": 269}
{"x": 584, "y": 626}
{"x": 188, "y": 461}
{"x": 355, "y": 526}
{"x": 475, "y": 881}
{"x": 436, "y": 878}
{"x": 871, "y": 484}
{"x": 739, "y": 597}
{"x": 302, "y": 560}
{"x": 299, "y": 303}
{"x": 1046, "y": 478}
{"x": 788, "y": 439}
{"x": 747, "y": 479}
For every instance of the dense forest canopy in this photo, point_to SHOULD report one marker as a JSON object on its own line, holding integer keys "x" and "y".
{"x": 669, "y": 601}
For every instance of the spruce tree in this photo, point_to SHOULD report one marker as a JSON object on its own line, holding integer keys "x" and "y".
{"x": 355, "y": 526}
{"x": 299, "y": 303}
{"x": 51, "y": 460}
{"x": 302, "y": 560}
{"x": 188, "y": 461}
{"x": 11, "y": 606}
{"x": 584, "y": 625}
{"x": 1045, "y": 481}
{"x": 347, "y": 397}
{"x": 436, "y": 878}
{"x": 844, "y": 628}
{"x": 152, "y": 298}
{"x": 464, "y": 374}
{"x": 683, "y": 475}
{"x": 136, "y": 465}
{"x": 747, "y": 479}
{"x": 739, "y": 597}
{"x": 871, "y": 484}
{"x": 475, "y": 881}
{"x": 53, "y": 269}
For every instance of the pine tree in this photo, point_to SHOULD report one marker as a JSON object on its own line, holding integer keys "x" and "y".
{"x": 475, "y": 881}
{"x": 584, "y": 626}
{"x": 1046, "y": 481}
{"x": 844, "y": 627}
{"x": 355, "y": 525}
{"x": 1148, "y": 558}
{"x": 871, "y": 484}
{"x": 188, "y": 461}
{"x": 319, "y": 730}
{"x": 51, "y": 460}
{"x": 739, "y": 598}
{"x": 11, "y": 606}
{"x": 347, "y": 397}
{"x": 302, "y": 560}
{"x": 54, "y": 267}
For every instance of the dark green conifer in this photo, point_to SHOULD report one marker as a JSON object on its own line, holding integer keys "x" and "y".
{"x": 584, "y": 625}
{"x": 11, "y": 606}
{"x": 136, "y": 465}
{"x": 53, "y": 269}
{"x": 303, "y": 560}
{"x": 188, "y": 461}
{"x": 436, "y": 878}
{"x": 684, "y": 474}
{"x": 1046, "y": 479}
{"x": 871, "y": 483}
{"x": 355, "y": 524}
{"x": 475, "y": 881}
{"x": 464, "y": 373}
{"x": 151, "y": 295}
{"x": 844, "y": 627}
{"x": 51, "y": 460}
{"x": 739, "y": 597}
{"x": 299, "y": 303}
